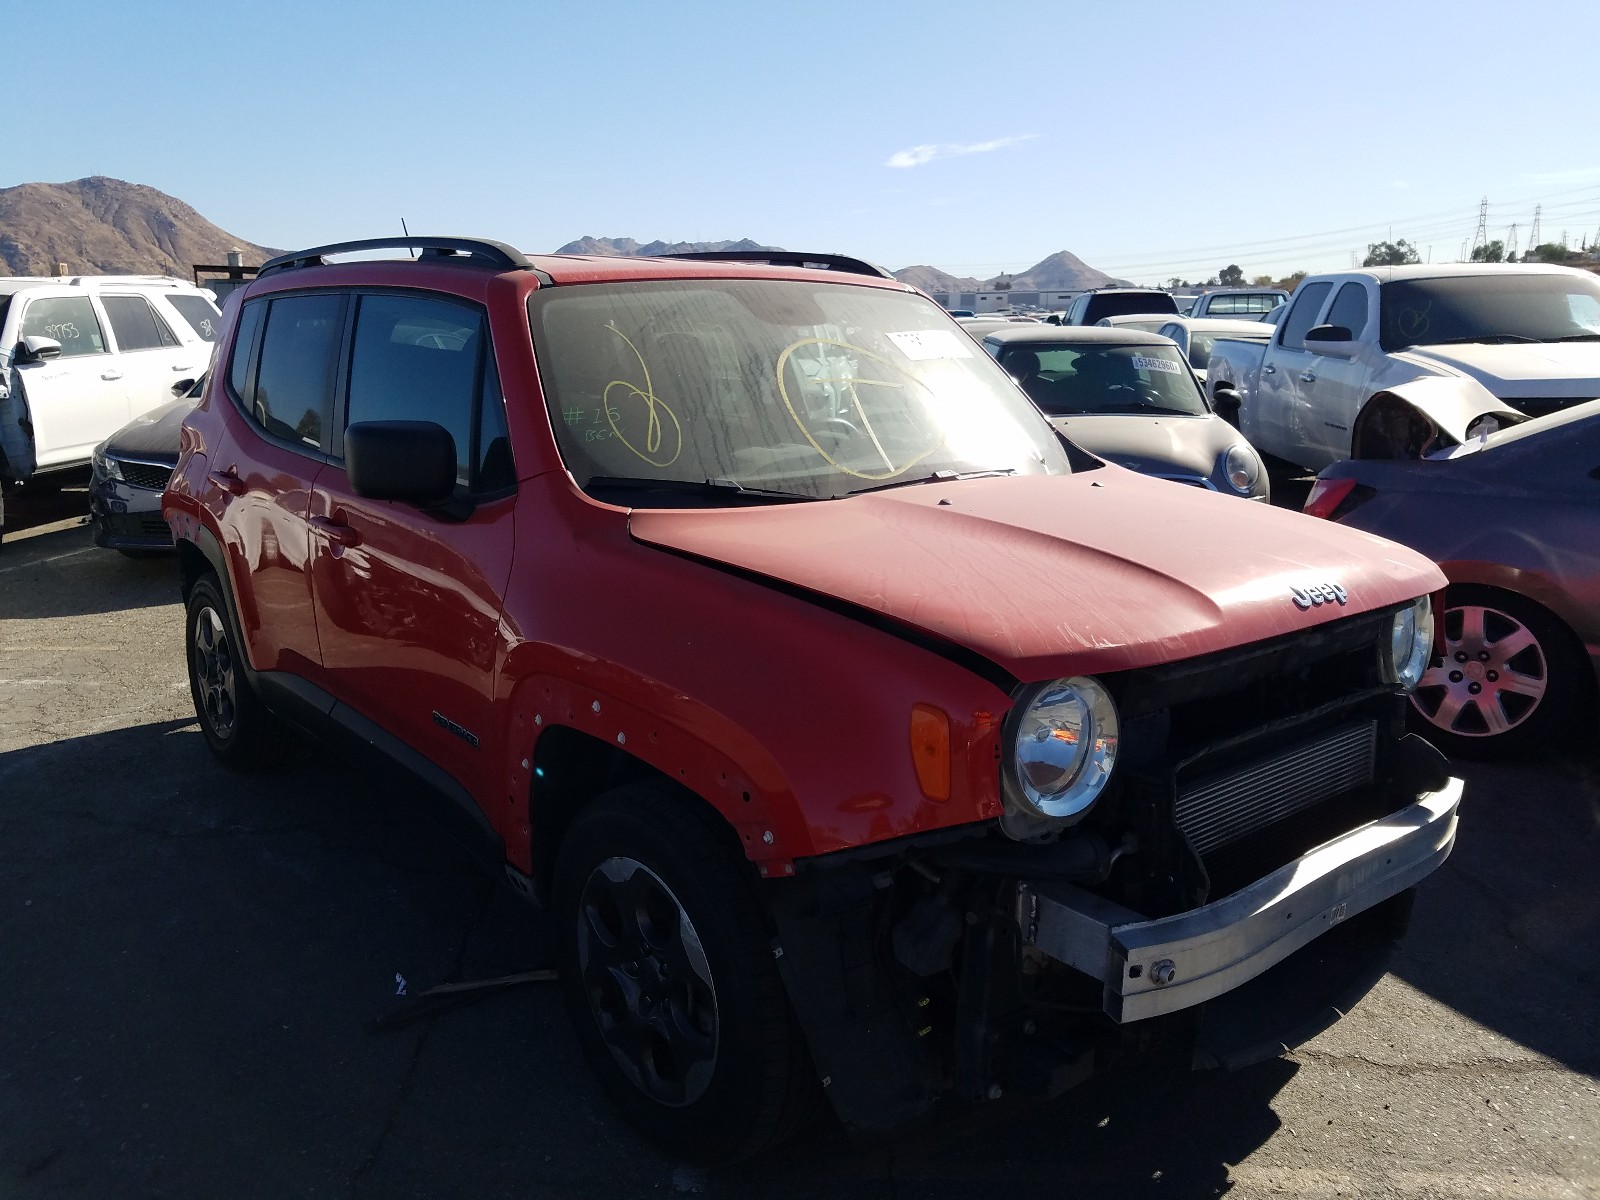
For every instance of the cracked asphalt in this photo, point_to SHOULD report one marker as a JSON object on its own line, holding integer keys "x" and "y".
{"x": 190, "y": 961}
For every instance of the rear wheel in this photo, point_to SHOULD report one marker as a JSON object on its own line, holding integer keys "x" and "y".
{"x": 670, "y": 982}
{"x": 237, "y": 726}
{"x": 1511, "y": 678}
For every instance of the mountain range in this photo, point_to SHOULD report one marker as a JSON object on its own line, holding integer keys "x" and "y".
{"x": 101, "y": 225}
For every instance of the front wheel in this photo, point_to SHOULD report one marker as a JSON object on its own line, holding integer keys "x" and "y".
{"x": 237, "y": 726}
{"x": 670, "y": 982}
{"x": 1511, "y": 678}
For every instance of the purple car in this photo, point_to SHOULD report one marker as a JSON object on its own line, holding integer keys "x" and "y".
{"x": 1513, "y": 518}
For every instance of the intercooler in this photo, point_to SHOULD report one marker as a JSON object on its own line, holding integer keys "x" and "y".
{"x": 1217, "y": 809}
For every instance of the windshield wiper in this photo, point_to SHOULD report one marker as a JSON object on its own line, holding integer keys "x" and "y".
{"x": 936, "y": 477}
{"x": 689, "y": 487}
{"x": 1576, "y": 337}
{"x": 1487, "y": 339}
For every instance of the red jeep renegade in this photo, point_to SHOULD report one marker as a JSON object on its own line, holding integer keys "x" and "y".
{"x": 859, "y": 731}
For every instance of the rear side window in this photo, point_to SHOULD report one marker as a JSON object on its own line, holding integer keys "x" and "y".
{"x": 294, "y": 383}
{"x": 1307, "y": 304}
{"x": 135, "y": 324}
{"x": 422, "y": 359}
{"x": 199, "y": 313}
{"x": 243, "y": 344}
{"x": 70, "y": 320}
{"x": 1349, "y": 309}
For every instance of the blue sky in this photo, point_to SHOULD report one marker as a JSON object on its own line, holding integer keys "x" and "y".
{"x": 1151, "y": 139}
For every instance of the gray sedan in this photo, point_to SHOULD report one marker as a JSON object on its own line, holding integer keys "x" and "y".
{"x": 1131, "y": 398}
{"x": 1513, "y": 518}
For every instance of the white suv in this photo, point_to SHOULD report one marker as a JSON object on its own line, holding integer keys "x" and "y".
{"x": 80, "y": 357}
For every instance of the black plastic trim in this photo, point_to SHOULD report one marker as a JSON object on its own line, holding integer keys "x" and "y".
{"x": 476, "y": 252}
{"x": 788, "y": 258}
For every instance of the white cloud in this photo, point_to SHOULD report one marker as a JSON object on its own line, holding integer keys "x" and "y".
{"x": 915, "y": 156}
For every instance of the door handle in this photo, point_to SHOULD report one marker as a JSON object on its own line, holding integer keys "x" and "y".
{"x": 228, "y": 481}
{"x": 111, "y": 375}
{"x": 1269, "y": 369}
{"x": 1307, "y": 377}
{"x": 336, "y": 532}
{"x": 180, "y": 368}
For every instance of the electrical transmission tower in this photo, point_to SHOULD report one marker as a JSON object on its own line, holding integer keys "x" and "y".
{"x": 1533, "y": 234}
{"x": 1480, "y": 236}
{"x": 1511, "y": 243}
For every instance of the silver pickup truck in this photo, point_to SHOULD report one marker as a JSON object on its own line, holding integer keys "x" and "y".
{"x": 1528, "y": 334}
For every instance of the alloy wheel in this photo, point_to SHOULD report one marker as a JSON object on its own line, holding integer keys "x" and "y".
{"x": 215, "y": 672}
{"x": 1491, "y": 679}
{"x": 649, "y": 984}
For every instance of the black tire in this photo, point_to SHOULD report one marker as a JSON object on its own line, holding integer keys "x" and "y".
{"x": 237, "y": 726}
{"x": 1505, "y": 717}
{"x": 718, "y": 1069}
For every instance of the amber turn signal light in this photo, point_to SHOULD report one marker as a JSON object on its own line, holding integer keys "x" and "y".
{"x": 930, "y": 750}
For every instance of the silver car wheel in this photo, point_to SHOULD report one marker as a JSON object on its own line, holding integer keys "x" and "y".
{"x": 215, "y": 678}
{"x": 649, "y": 984}
{"x": 1491, "y": 679}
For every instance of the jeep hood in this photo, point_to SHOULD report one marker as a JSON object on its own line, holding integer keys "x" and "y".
{"x": 1053, "y": 575}
{"x": 1517, "y": 370}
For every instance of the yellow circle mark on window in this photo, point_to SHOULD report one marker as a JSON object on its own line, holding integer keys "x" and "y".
{"x": 657, "y": 440}
{"x": 850, "y": 383}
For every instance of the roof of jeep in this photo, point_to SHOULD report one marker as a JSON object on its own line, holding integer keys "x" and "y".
{"x": 602, "y": 268}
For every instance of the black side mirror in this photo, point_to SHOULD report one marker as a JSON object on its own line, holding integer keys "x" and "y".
{"x": 1329, "y": 333}
{"x": 35, "y": 349}
{"x": 1226, "y": 404}
{"x": 413, "y": 461}
{"x": 181, "y": 388}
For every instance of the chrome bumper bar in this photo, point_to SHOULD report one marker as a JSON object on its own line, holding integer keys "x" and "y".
{"x": 1149, "y": 968}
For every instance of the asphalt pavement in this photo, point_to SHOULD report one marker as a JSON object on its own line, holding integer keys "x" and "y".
{"x": 190, "y": 962}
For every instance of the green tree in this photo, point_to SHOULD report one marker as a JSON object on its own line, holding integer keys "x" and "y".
{"x": 1494, "y": 251}
{"x": 1390, "y": 254}
{"x": 1261, "y": 281}
{"x": 1551, "y": 252}
{"x": 1289, "y": 282}
{"x": 1231, "y": 276}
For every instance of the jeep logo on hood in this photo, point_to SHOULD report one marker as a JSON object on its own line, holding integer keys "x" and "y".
{"x": 1317, "y": 594}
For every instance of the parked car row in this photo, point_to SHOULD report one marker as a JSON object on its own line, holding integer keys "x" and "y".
{"x": 81, "y": 356}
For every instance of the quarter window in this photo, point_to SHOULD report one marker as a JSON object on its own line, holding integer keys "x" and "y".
{"x": 1307, "y": 304}
{"x": 293, "y": 396}
{"x": 199, "y": 313}
{"x": 1350, "y": 309}
{"x": 243, "y": 345}
{"x": 136, "y": 324}
{"x": 70, "y": 320}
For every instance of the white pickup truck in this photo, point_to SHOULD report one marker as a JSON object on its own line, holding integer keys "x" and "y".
{"x": 1529, "y": 334}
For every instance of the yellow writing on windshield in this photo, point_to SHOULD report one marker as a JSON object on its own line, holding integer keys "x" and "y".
{"x": 852, "y": 419}
{"x": 658, "y": 440}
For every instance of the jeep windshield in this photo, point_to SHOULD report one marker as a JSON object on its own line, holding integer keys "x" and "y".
{"x": 722, "y": 390}
{"x": 1506, "y": 307}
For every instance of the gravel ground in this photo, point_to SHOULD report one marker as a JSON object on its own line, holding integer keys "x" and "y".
{"x": 191, "y": 959}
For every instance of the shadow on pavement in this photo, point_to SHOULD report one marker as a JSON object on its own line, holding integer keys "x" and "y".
{"x": 62, "y": 573}
{"x": 193, "y": 958}
{"x": 1507, "y": 932}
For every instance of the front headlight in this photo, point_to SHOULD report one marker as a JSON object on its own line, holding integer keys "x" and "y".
{"x": 1061, "y": 744}
{"x": 1408, "y": 648}
{"x": 1241, "y": 468}
{"x": 104, "y": 467}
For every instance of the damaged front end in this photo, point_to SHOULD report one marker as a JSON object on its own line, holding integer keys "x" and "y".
{"x": 1435, "y": 417}
{"x": 1238, "y": 882}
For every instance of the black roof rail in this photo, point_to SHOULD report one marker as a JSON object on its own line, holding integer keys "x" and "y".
{"x": 788, "y": 258}
{"x": 478, "y": 252}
